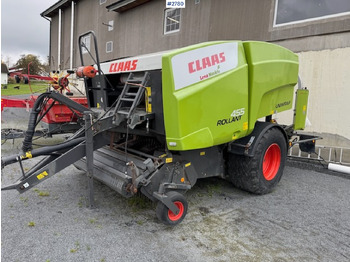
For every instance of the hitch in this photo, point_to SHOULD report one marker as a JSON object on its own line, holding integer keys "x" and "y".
{"x": 307, "y": 143}
{"x": 80, "y": 144}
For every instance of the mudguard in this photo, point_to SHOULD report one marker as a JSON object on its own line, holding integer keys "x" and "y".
{"x": 247, "y": 145}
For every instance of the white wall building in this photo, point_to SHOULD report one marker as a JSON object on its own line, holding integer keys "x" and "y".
{"x": 4, "y": 74}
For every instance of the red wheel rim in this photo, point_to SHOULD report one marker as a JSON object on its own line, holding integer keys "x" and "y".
{"x": 272, "y": 161}
{"x": 181, "y": 208}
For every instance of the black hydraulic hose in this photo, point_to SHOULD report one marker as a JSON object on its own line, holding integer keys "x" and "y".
{"x": 47, "y": 150}
{"x": 43, "y": 115}
{"x": 28, "y": 135}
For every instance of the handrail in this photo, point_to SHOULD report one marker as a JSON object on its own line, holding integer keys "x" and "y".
{"x": 96, "y": 49}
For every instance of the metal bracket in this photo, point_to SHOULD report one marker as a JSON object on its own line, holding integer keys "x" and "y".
{"x": 164, "y": 186}
{"x": 166, "y": 201}
{"x": 307, "y": 143}
{"x": 139, "y": 117}
{"x": 89, "y": 149}
{"x": 246, "y": 146}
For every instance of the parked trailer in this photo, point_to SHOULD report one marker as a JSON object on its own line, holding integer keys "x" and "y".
{"x": 157, "y": 123}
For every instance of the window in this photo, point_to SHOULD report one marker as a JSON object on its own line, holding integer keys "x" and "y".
{"x": 102, "y": 2}
{"x": 111, "y": 25}
{"x": 85, "y": 43}
{"x": 172, "y": 20}
{"x": 298, "y": 11}
{"x": 109, "y": 46}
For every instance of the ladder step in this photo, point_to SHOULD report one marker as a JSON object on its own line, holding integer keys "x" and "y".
{"x": 123, "y": 112}
{"x": 134, "y": 81}
{"x": 131, "y": 94}
{"x": 127, "y": 99}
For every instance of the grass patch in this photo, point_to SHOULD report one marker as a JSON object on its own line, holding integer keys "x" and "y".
{"x": 81, "y": 201}
{"x": 77, "y": 246}
{"x": 213, "y": 188}
{"x": 24, "y": 199}
{"x": 41, "y": 193}
{"x": 37, "y": 87}
{"x": 92, "y": 220}
{"x": 31, "y": 224}
{"x": 139, "y": 202}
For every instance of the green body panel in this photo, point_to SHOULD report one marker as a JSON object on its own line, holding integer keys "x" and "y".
{"x": 191, "y": 114}
{"x": 302, "y": 97}
{"x": 223, "y": 105}
{"x": 273, "y": 73}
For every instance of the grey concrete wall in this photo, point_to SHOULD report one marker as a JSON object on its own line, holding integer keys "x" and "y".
{"x": 317, "y": 43}
{"x": 65, "y": 38}
{"x": 54, "y": 43}
{"x": 323, "y": 45}
{"x": 136, "y": 31}
{"x": 326, "y": 74}
{"x": 239, "y": 19}
{"x": 140, "y": 30}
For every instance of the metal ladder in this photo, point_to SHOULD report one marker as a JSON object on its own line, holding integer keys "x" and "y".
{"x": 131, "y": 95}
{"x": 330, "y": 154}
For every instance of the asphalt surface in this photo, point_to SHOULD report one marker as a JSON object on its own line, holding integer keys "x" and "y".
{"x": 306, "y": 218}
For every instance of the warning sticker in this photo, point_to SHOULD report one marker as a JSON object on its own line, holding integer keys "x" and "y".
{"x": 42, "y": 175}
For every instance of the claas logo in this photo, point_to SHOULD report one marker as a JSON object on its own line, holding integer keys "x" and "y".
{"x": 206, "y": 62}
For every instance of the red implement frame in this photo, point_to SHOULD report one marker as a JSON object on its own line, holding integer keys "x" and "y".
{"x": 57, "y": 114}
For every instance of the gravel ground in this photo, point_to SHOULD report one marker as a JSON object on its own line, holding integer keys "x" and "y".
{"x": 306, "y": 218}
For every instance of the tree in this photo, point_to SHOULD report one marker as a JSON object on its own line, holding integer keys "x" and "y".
{"x": 35, "y": 67}
{"x": 5, "y": 60}
{"x": 46, "y": 65}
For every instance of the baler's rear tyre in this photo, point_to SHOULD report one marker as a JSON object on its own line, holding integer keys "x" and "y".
{"x": 262, "y": 172}
{"x": 166, "y": 216}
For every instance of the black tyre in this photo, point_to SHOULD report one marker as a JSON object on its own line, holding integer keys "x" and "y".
{"x": 262, "y": 172}
{"x": 18, "y": 79}
{"x": 166, "y": 216}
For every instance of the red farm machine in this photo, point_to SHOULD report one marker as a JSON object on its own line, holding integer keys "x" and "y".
{"x": 56, "y": 117}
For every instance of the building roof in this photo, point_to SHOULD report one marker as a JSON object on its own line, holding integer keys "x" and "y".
{"x": 4, "y": 69}
{"x": 52, "y": 10}
{"x": 117, "y": 6}
{"x": 124, "y": 5}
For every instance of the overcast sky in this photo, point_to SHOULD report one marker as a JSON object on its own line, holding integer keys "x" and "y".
{"x": 23, "y": 30}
